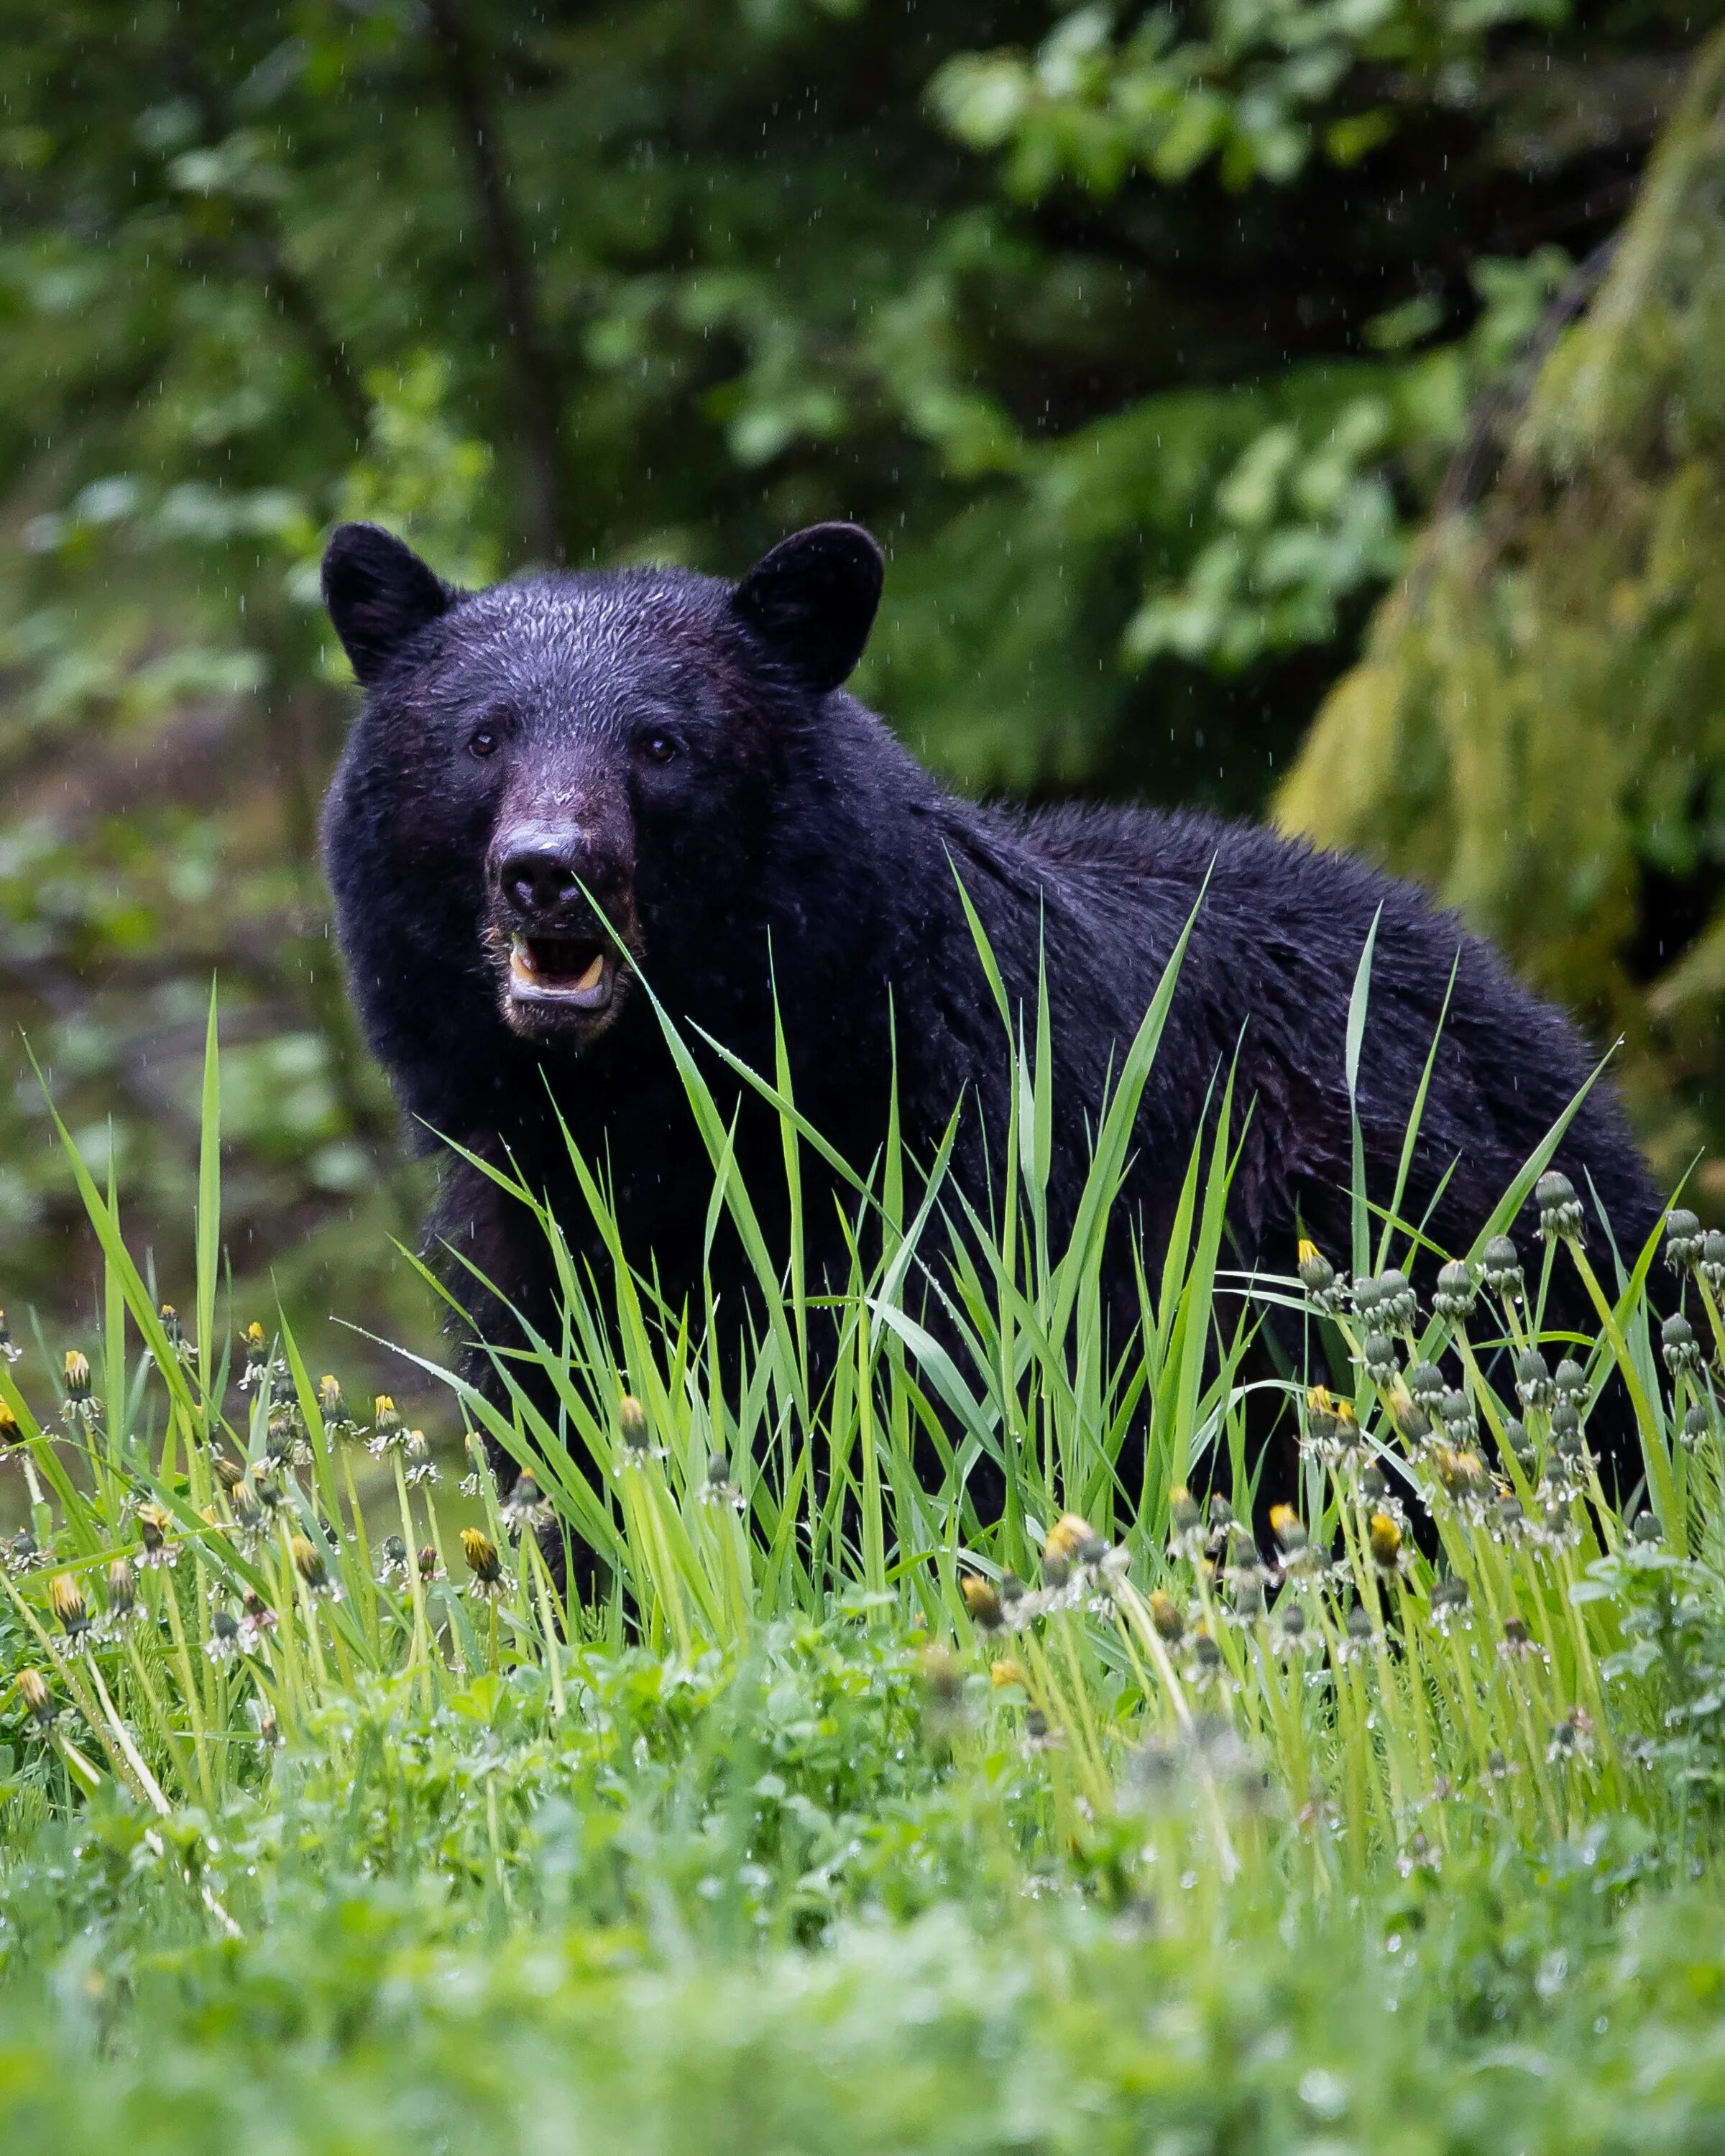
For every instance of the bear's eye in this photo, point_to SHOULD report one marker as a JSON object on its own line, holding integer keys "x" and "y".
{"x": 658, "y": 748}
{"x": 483, "y": 744}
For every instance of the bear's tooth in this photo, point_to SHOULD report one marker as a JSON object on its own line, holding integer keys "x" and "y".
{"x": 520, "y": 959}
{"x": 593, "y": 975}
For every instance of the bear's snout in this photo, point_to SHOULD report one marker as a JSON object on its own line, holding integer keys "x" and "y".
{"x": 545, "y": 876}
{"x": 562, "y": 899}
{"x": 539, "y": 881}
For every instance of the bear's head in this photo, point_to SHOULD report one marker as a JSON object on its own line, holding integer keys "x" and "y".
{"x": 573, "y": 773}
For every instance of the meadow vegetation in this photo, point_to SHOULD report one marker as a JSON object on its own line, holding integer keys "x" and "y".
{"x": 851, "y": 1816}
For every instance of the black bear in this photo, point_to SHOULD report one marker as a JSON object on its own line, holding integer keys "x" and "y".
{"x": 679, "y": 753}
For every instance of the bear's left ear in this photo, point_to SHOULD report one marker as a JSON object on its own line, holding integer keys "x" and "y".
{"x": 812, "y": 601}
{"x": 379, "y": 593}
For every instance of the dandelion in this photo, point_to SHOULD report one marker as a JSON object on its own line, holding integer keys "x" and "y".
{"x": 526, "y": 1507}
{"x": 257, "y": 1621}
{"x": 1165, "y": 1615}
{"x": 22, "y": 1553}
{"x": 1006, "y": 1671}
{"x": 257, "y": 1357}
{"x": 420, "y": 1466}
{"x": 1428, "y": 1384}
{"x": 1712, "y": 1261}
{"x": 1392, "y": 1301}
{"x": 1684, "y": 1243}
{"x": 1397, "y": 1307}
{"x": 178, "y": 1346}
{"x": 1288, "y": 1528}
{"x": 1572, "y": 1740}
{"x": 1561, "y": 1219}
{"x": 1680, "y": 1348}
{"x": 1374, "y": 1489}
{"x": 1246, "y": 1588}
{"x": 1291, "y": 1625}
{"x": 122, "y": 1587}
{"x": 429, "y": 1567}
{"x": 482, "y": 1562}
{"x": 37, "y": 1701}
{"x": 478, "y": 1480}
{"x": 1377, "y": 1358}
{"x": 1187, "y": 1522}
{"x": 1357, "y": 1634}
{"x": 1570, "y": 1382}
{"x": 1533, "y": 1380}
{"x": 271, "y": 1496}
{"x": 1384, "y": 1538}
{"x": 392, "y": 1560}
{"x": 8, "y": 1347}
{"x": 1456, "y": 1412}
{"x": 1449, "y": 1603}
{"x": 1320, "y": 1438}
{"x": 1697, "y": 1422}
{"x": 1518, "y": 1644}
{"x": 1645, "y": 1530}
{"x": 1038, "y": 1736}
{"x": 1410, "y": 1419}
{"x": 286, "y": 1441}
{"x": 249, "y": 1515}
{"x": 229, "y": 1473}
{"x": 10, "y": 1433}
{"x": 1520, "y": 1447}
{"x": 309, "y": 1562}
{"x": 1331, "y": 1428}
{"x": 1500, "y": 1269}
{"x": 65, "y": 1598}
{"x": 1067, "y": 1539}
{"x": 1568, "y": 1460}
{"x": 1206, "y": 1657}
{"x": 1456, "y": 1291}
{"x": 1317, "y": 1277}
{"x": 337, "y": 1420}
{"x": 388, "y": 1430}
{"x": 155, "y": 1522}
{"x": 1462, "y": 1477}
{"x": 1418, "y": 1855}
{"x": 1557, "y": 1529}
{"x": 638, "y": 1446}
{"x": 1223, "y": 1527}
{"x": 982, "y": 1600}
{"x": 224, "y": 1640}
{"x": 81, "y": 1407}
{"x": 719, "y": 1488}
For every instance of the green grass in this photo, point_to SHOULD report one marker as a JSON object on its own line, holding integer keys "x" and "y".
{"x": 852, "y": 1818}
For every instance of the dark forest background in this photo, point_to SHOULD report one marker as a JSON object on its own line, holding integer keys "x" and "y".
{"x": 1179, "y": 357}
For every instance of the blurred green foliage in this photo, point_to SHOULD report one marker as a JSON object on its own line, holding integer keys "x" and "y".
{"x": 1143, "y": 338}
{"x": 1538, "y": 729}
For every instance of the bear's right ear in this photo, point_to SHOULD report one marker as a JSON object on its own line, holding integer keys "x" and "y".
{"x": 812, "y": 601}
{"x": 379, "y": 593}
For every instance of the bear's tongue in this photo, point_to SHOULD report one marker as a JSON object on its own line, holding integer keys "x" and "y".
{"x": 555, "y": 966}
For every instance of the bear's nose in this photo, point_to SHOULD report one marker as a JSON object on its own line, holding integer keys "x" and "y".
{"x": 539, "y": 879}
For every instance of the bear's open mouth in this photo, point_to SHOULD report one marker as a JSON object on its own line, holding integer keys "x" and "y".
{"x": 572, "y": 971}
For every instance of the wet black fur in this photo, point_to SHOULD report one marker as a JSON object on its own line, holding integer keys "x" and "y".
{"x": 796, "y": 844}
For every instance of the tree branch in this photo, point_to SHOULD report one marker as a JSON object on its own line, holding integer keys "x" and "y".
{"x": 534, "y": 373}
